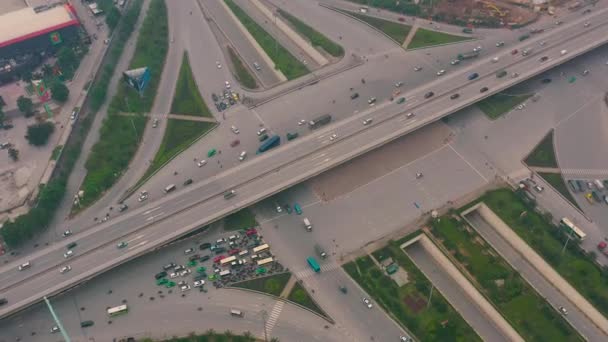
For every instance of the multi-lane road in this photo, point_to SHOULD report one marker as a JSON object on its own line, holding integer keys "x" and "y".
{"x": 265, "y": 175}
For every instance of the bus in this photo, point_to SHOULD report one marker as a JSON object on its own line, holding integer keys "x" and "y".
{"x": 261, "y": 248}
{"x": 265, "y": 261}
{"x": 227, "y": 260}
{"x": 273, "y": 141}
{"x": 225, "y": 273}
{"x": 118, "y": 310}
{"x": 313, "y": 264}
{"x": 571, "y": 229}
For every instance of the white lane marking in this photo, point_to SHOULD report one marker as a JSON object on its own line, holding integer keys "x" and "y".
{"x": 151, "y": 210}
{"x": 155, "y": 216}
{"x": 136, "y": 238}
{"x": 139, "y": 244}
{"x": 323, "y": 162}
{"x": 319, "y": 156}
{"x": 470, "y": 165}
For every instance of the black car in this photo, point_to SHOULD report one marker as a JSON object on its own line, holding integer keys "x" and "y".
{"x": 354, "y": 96}
{"x": 194, "y": 257}
{"x": 545, "y": 80}
{"x": 87, "y": 324}
{"x": 205, "y": 245}
{"x": 205, "y": 258}
{"x": 214, "y": 97}
{"x": 71, "y": 245}
{"x": 219, "y": 250}
{"x": 160, "y": 275}
{"x": 169, "y": 266}
{"x": 454, "y": 96}
{"x": 123, "y": 207}
{"x": 483, "y": 90}
{"x": 543, "y": 58}
{"x": 429, "y": 94}
{"x": 188, "y": 181}
{"x": 3, "y": 301}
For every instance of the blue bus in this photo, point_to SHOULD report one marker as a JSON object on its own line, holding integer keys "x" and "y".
{"x": 313, "y": 264}
{"x": 273, "y": 141}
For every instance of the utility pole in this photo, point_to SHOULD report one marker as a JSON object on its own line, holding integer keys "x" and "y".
{"x": 57, "y": 321}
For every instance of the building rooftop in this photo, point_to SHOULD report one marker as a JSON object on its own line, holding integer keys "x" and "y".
{"x": 27, "y": 23}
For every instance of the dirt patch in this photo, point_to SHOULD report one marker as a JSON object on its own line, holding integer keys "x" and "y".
{"x": 364, "y": 169}
{"x": 416, "y": 304}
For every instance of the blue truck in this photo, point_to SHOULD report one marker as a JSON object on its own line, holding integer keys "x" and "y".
{"x": 271, "y": 142}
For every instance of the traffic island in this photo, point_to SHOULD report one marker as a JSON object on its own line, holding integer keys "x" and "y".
{"x": 300, "y": 296}
{"x": 499, "y": 104}
{"x": 395, "y": 31}
{"x": 272, "y": 285}
{"x": 424, "y": 38}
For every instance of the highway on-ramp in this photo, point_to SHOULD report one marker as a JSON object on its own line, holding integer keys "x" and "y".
{"x": 159, "y": 222}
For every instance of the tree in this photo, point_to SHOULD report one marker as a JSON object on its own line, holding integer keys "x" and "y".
{"x": 38, "y": 134}
{"x": 66, "y": 58}
{"x": 113, "y": 17}
{"x": 25, "y": 105}
{"x": 59, "y": 92}
{"x": 13, "y": 153}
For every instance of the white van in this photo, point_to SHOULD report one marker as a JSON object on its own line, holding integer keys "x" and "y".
{"x": 24, "y": 266}
{"x": 235, "y": 312}
{"x": 599, "y": 184}
{"x": 243, "y": 155}
{"x": 307, "y": 224}
{"x": 170, "y": 188}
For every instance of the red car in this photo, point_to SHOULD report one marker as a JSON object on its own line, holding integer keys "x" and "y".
{"x": 601, "y": 245}
{"x": 218, "y": 258}
{"x": 514, "y": 52}
{"x": 251, "y": 231}
{"x": 235, "y": 143}
{"x": 401, "y": 19}
{"x": 234, "y": 251}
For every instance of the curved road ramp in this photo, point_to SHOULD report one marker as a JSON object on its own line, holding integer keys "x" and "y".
{"x": 541, "y": 266}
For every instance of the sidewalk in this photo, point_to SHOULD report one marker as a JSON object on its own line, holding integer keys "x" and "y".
{"x": 410, "y": 35}
{"x": 287, "y": 289}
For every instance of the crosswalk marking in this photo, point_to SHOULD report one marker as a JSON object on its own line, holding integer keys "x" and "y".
{"x": 596, "y": 173}
{"x": 307, "y": 272}
{"x": 274, "y": 316}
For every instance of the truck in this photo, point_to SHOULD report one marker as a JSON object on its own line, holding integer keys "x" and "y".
{"x": 307, "y": 224}
{"x": 320, "y": 121}
{"x": 467, "y": 55}
{"x": 273, "y": 141}
{"x": 320, "y": 251}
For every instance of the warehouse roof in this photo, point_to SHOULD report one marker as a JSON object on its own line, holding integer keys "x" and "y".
{"x": 31, "y": 22}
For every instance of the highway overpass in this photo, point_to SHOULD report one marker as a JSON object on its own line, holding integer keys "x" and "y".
{"x": 162, "y": 221}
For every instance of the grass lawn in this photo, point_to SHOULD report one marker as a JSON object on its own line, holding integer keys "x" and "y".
{"x": 299, "y": 295}
{"x": 408, "y": 304}
{"x": 398, "y": 32}
{"x": 424, "y": 38}
{"x": 543, "y": 154}
{"x": 316, "y": 38}
{"x": 179, "y": 135}
{"x": 56, "y": 152}
{"x": 272, "y": 285}
{"x": 187, "y": 99}
{"x": 557, "y": 181}
{"x": 289, "y": 65}
{"x": 243, "y": 219}
{"x": 532, "y": 317}
{"x": 577, "y": 268}
{"x": 242, "y": 73}
{"x": 498, "y": 104}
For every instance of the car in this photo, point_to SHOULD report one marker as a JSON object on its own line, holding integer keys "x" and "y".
{"x": 182, "y": 283}
{"x": 169, "y": 266}
{"x": 67, "y": 233}
{"x": 68, "y": 254}
{"x": 160, "y": 275}
{"x": 189, "y": 251}
{"x": 367, "y": 303}
{"x": 428, "y": 95}
{"x": 218, "y": 64}
{"x": 188, "y": 181}
{"x": 24, "y": 266}
{"x": 542, "y": 43}
{"x": 173, "y": 275}
{"x": 440, "y": 72}
{"x": 495, "y": 59}
{"x": 587, "y": 24}
{"x": 220, "y": 241}
{"x": 538, "y": 188}
{"x": 234, "y": 251}
{"x": 302, "y": 122}
{"x": 514, "y": 52}
{"x": 483, "y": 90}
{"x": 65, "y": 269}
{"x": 253, "y": 231}
{"x": 499, "y": 44}
{"x": 235, "y": 143}
{"x": 371, "y": 100}
{"x": 417, "y": 68}
{"x": 333, "y": 137}
{"x": 199, "y": 283}
{"x": 514, "y": 75}
{"x": 410, "y": 115}
{"x": 154, "y": 123}
{"x": 234, "y": 130}
{"x": 257, "y": 66}
{"x": 559, "y": 22}
{"x": 477, "y": 49}
{"x": 54, "y": 329}
{"x": 142, "y": 196}
{"x": 227, "y": 84}
{"x": 596, "y": 196}
{"x": 473, "y": 76}
{"x": 71, "y": 245}
{"x": 214, "y": 97}
{"x": 543, "y": 59}
{"x": 352, "y": 97}
{"x": 585, "y": 72}
{"x": 297, "y": 208}
{"x": 261, "y": 131}
{"x": 405, "y": 339}
{"x": 602, "y": 245}
{"x": 185, "y": 272}
{"x": 201, "y": 163}
{"x": 123, "y": 207}
{"x": 290, "y": 136}
{"x": 563, "y": 311}
{"x": 401, "y": 100}
{"x": 205, "y": 258}
{"x": 398, "y": 84}
{"x": 185, "y": 288}
{"x": 3, "y": 301}
{"x": 454, "y": 62}
{"x": 243, "y": 155}
{"x": 545, "y": 80}
{"x": 74, "y": 114}
{"x": 367, "y": 122}
{"x": 218, "y": 258}
{"x": 205, "y": 245}
{"x": 106, "y": 41}
{"x": 278, "y": 209}
{"x": 501, "y": 73}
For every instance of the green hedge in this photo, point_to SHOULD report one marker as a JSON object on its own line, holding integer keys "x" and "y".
{"x": 316, "y": 38}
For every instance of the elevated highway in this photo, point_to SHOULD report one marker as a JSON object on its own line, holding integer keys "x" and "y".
{"x": 177, "y": 214}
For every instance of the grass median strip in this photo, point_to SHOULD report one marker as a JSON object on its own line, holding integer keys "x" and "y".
{"x": 317, "y": 39}
{"x": 530, "y": 314}
{"x": 242, "y": 74}
{"x": 437, "y": 321}
{"x": 396, "y": 31}
{"x": 425, "y": 38}
{"x": 576, "y": 266}
{"x": 543, "y": 154}
{"x": 501, "y": 103}
{"x": 187, "y": 99}
{"x": 121, "y": 134}
{"x": 242, "y": 219}
{"x": 290, "y": 66}
{"x": 299, "y": 295}
{"x": 557, "y": 182}
{"x": 272, "y": 285}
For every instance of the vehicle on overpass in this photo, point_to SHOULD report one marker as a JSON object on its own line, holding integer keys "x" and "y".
{"x": 272, "y": 142}
{"x": 319, "y": 121}
{"x": 312, "y": 262}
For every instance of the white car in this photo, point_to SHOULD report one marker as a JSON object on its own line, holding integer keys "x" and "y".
{"x": 234, "y": 130}
{"x": 185, "y": 272}
{"x": 173, "y": 275}
{"x": 371, "y": 100}
{"x": 185, "y": 288}
{"x": 261, "y": 131}
{"x": 398, "y": 84}
{"x": 68, "y": 254}
{"x": 499, "y": 44}
{"x": 227, "y": 85}
{"x": 495, "y": 59}
{"x": 65, "y": 269}
{"x": 563, "y": 310}
{"x": 67, "y": 233}
{"x": 301, "y": 122}
{"x": 188, "y": 251}
{"x": 202, "y": 163}
{"x": 279, "y": 209}
{"x": 199, "y": 283}
{"x": 542, "y": 43}
{"x": 155, "y": 123}
{"x": 409, "y": 115}
{"x": 477, "y": 49}
{"x": 440, "y": 72}
{"x": 243, "y": 155}
{"x": 333, "y": 137}
{"x": 54, "y": 329}
{"x": 367, "y": 303}
{"x": 417, "y": 68}
{"x": 367, "y": 122}
{"x": 563, "y": 52}
{"x": 455, "y": 62}
{"x": 218, "y": 64}
{"x": 143, "y": 196}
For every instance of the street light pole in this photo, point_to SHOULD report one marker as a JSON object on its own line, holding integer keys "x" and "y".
{"x": 57, "y": 321}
